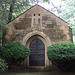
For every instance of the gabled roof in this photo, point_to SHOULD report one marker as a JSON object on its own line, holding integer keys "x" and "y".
{"x": 41, "y": 7}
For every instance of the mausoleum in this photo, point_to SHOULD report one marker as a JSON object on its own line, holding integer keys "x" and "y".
{"x": 38, "y": 28}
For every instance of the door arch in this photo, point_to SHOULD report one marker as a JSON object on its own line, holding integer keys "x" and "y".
{"x": 37, "y": 56}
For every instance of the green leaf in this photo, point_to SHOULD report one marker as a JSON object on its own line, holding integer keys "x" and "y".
{"x": 45, "y": 0}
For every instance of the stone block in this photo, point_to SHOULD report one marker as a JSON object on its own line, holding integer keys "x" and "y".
{"x": 50, "y": 25}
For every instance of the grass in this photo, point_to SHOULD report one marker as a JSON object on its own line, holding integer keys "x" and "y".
{"x": 41, "y": 73}
{"x": 33, "y": 73}
{"x": 18, "y": 74}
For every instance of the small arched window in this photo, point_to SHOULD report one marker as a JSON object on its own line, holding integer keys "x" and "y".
{"x": 34, "y": 21}
{"x": 38, "y": 21}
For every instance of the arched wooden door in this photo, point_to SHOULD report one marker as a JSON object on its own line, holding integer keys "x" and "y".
{"x": 37, "y": 56}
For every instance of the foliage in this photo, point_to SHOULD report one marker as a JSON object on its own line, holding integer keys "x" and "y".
{"x": 14, "y": 52}
{"x": 19, "y": 7}
{"x": 67, "y": 13}
{"x": 4, "y": 15}
{"x": 62, "y": 55}
{"x": 3, "y": 64}
{"x": 74, "y": 39}
{"x": 45, "y": 0}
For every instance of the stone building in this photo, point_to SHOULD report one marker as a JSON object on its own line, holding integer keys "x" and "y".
{"x": 37, "y": 28}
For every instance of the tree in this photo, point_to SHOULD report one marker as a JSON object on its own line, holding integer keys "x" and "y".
{"x": 8, "y": 8}
{"x": 67, "y": 12}
{"x": 4, "y": 7}
{"x": 11, "y": 10}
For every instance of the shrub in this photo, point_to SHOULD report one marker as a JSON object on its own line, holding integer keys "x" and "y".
{"x": 14, "y": 52}
{"x": 62, "y": 55}
{"x": 3, "y": 64}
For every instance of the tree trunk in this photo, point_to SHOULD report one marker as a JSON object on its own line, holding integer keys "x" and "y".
{"x": 11, "y": 10}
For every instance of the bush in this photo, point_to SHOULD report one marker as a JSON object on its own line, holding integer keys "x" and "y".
{"x": 3, "y": 64}
{"x": 14, "y": 52}
{"x": 62, "y": 55}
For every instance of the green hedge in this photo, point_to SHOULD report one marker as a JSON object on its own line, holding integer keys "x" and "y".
{"x": 14, "y": 52}
{"x": 62, "y": 55}
{"x": 3, "y": 64}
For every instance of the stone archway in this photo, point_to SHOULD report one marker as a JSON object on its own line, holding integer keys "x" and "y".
{"x": 41, "y": 36}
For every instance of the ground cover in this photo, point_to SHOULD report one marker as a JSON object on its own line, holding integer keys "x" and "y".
{"x": 41, "y": 73}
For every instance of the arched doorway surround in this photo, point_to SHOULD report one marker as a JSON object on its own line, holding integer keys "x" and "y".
{"x": 40, "y": 35}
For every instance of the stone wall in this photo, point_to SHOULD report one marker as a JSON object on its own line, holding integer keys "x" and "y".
{"x": 54, "y": 27}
